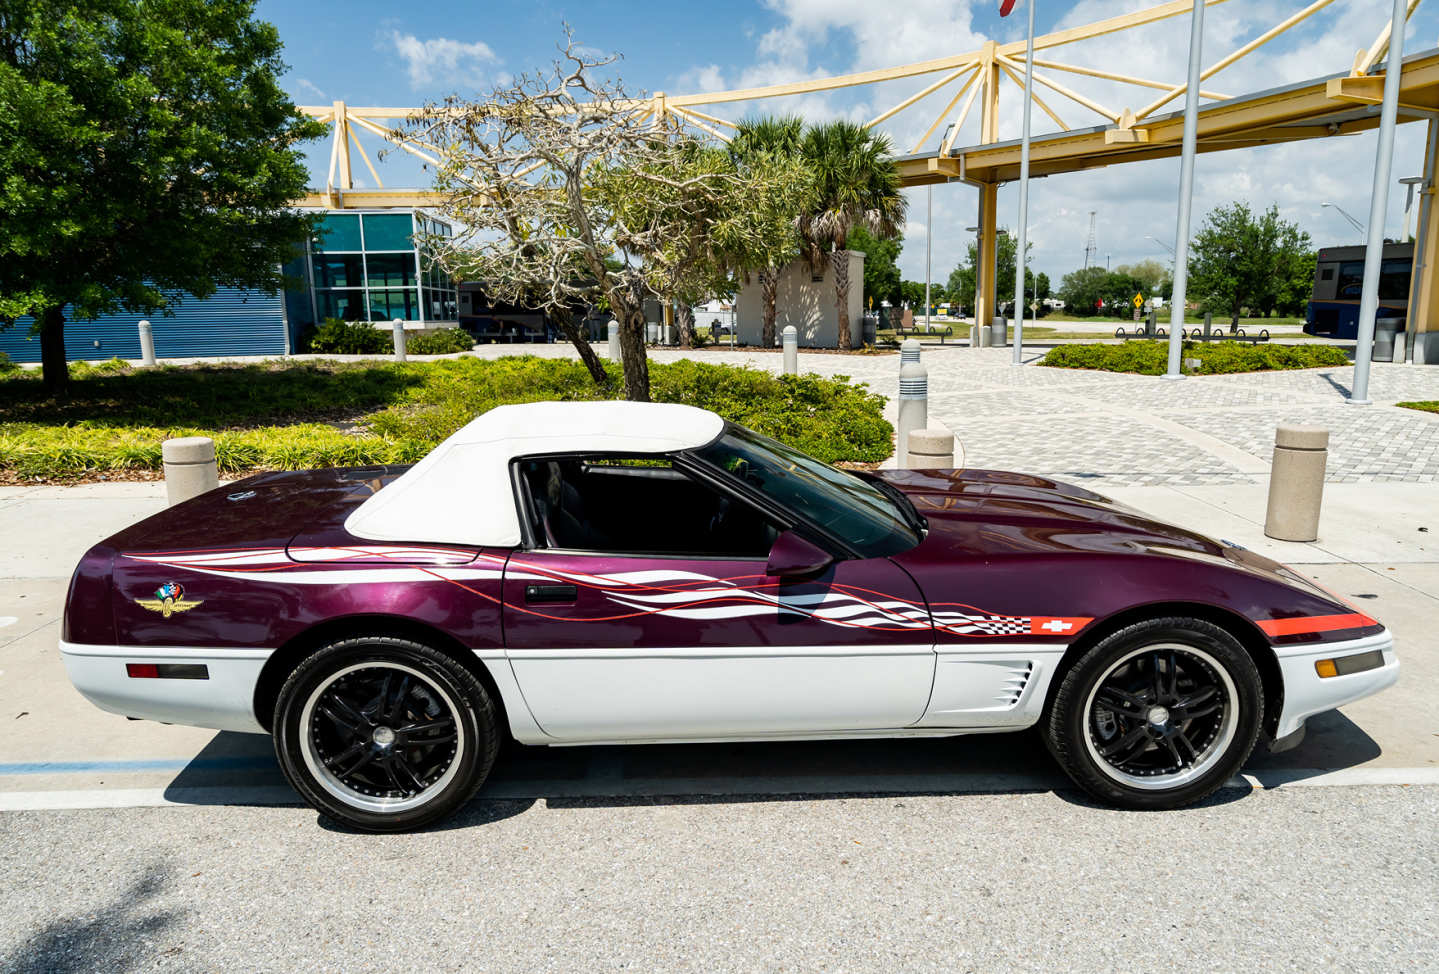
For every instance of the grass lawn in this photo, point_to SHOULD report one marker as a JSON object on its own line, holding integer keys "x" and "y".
{"x": 295, "y": 415}
{"x": 1152, "y": 357}
{"x": 1428, "y": 405}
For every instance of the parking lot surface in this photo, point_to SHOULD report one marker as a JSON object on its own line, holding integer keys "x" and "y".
{"x": 132, "y": 844}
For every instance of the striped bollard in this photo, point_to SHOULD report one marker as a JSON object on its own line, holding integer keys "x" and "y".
{"x": 398, "y": 327}
{"x": 909, "y": 351}
{"x": 790, "y": 340}
{"x": 913, "y": 404}
{"x": 614, "y": 340}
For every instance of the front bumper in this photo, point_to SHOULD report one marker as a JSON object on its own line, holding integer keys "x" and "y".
{"x": 1306, "y": 693}
{"x": 224, "y": 701}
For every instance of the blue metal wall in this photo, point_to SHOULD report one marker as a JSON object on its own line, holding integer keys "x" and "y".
{"x": 229, "y": 322}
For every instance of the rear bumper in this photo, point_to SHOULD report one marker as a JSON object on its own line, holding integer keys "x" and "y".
{"x": 1306, "y": 693}
{"x": 224, "y": 701}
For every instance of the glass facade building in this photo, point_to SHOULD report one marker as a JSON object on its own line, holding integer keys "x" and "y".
{"x": 371, "y": 266}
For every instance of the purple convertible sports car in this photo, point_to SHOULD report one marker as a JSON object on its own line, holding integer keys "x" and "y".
{"x": 574, "y": 573}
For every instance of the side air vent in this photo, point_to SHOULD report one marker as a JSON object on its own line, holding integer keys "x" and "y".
{"x": 1014, "y": 682}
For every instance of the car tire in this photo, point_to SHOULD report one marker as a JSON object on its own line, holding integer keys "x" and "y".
{"x": 1157, "y": 715}
{"x": 383, "y": 734}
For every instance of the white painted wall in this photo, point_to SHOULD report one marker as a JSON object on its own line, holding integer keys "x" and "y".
{"x": 805, "y": 303}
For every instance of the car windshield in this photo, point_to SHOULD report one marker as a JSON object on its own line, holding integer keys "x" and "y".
{"x": 858, "y": 512}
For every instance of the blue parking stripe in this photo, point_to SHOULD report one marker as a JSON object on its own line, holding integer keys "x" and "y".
{"x": 237, "y": 763}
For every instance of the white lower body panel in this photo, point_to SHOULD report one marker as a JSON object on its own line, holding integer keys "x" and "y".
{"x": 1306, "y": 693}
{"x": 710, "y": 693}
{"x": 225, "y": 701}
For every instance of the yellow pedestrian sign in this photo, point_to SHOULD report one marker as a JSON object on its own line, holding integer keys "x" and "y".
{"x": 1138, "y": 301}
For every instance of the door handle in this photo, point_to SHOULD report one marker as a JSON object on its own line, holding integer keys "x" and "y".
{"x": 551, "y": 593}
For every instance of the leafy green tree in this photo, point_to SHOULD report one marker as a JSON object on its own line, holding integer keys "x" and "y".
{"x": 146, "y": 149}
{"x": 962, "y": 278}
{"x": 1095, "y": 291}
{"x": 773, "y": 144}
{"x": 857, "y": 185}
{"x": 881, "y": 272}
{"x": 1041, "y": 286}
{"x": 912, "y": 294}
{"x": 1153, "y": 276}
{"x": 1242, "y": 260}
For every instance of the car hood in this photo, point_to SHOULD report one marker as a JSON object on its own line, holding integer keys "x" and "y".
{"x": 993, "y": 515}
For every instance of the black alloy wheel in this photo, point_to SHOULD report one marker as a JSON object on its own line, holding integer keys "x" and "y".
{"x": 383, "y": 734}
{"x": 1157, "y": 715}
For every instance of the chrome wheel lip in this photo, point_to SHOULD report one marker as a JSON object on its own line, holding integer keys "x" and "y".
{"x": 1213, "y": 752}
{"x": 343, "y": 792}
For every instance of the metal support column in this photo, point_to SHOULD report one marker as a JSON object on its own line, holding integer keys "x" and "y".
{"x": 1186, "y": 194}
{"x": 1378, "y": 203}
{"x": 1023, "y": 239}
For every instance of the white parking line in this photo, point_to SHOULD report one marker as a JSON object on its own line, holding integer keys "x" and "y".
{"x": 17, "y": 801}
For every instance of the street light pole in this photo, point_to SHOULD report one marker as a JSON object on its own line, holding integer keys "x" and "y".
{"x": 1346, "y": 215}
{"x": 1023, "y": 240}
{"x": 1186, "y": 194}
{"x": 1378, "y": 201}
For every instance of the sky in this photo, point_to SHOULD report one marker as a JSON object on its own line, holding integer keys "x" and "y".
{"x": 383, "y": 54}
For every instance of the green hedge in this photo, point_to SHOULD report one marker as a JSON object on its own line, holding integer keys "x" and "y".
{"x": 1426, "y": 405}
{"x": 116, "y": 417}
{"x": 1152, "y": 358}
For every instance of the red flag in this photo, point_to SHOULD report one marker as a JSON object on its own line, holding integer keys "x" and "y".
{"x": 1005, "y": 6}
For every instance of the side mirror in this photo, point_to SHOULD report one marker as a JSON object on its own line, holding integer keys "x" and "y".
{"x": 794, "y": 557}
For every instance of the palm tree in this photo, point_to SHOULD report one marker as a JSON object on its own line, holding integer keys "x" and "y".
{"x": 771, "y": 135}
{"x": 858, "y": 186}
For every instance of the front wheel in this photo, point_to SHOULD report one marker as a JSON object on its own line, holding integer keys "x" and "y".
{"x": 1157, "y": 715}
{"x": 383, "y": 734}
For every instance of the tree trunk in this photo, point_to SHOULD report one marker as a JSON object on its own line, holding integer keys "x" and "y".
{"x": 54, "y": 366}
{"x": 632, "y": 350}
{"x": 685, "y": 320}
{"x": 839, "y": 259}
{"x": 577, "y": 338}
{"x": 768, "y": 287}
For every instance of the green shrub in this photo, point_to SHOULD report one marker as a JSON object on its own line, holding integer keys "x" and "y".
{"x": 1152, "y": 357}
{"x": 116, "y": 422}
{"x": 336, "y": 337}
{"x": 1427, "y": 405}
{"x": 7, "y": 366}
{"x": 443, "y": 342}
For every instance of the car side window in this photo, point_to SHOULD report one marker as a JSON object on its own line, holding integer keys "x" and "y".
{"x": 628, "y": 505}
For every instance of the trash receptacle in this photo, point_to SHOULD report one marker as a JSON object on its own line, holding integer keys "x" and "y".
{"x": 871, "y": 328}
{"x": 999, "y": 332}
{"x": 1385, "y": 330}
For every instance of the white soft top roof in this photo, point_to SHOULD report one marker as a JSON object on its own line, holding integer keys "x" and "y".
{"x": 461, "y": 492}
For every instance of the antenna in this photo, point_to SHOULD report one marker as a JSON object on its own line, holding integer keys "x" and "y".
{"x": 1090, "y": 249}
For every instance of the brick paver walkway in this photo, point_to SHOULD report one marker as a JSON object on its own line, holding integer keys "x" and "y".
{"x": 1107, "y": 428}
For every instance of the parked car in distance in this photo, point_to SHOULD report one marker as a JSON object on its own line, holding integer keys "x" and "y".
{"x": 571, "y": 573}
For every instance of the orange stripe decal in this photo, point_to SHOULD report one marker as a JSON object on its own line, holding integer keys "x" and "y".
{"x": 1289, "y": 627}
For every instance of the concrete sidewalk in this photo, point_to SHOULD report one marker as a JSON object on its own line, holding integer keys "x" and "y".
{"x": 1372, "y": 551}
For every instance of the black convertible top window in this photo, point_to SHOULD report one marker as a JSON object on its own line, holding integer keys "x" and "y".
{"x": 853, "y": 509}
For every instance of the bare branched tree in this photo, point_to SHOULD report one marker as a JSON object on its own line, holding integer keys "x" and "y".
{"x": 567, "y": 193}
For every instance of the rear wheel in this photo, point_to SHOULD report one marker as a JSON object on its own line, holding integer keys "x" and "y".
{"x": 384, "y": 734}
{"x": 1157, "y": 715}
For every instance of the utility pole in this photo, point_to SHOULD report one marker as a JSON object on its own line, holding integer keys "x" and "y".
{"x": 928, "y": 245}
{"x": 1089, "y": 248}
{"x": 1023, "y": 240}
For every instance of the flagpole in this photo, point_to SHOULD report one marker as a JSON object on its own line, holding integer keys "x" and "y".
{"x": 1023, "y": 194}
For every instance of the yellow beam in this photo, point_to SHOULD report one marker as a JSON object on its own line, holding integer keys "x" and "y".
{"x": 1163, "y": 11}
{"x": 924, "y": 92}
{"x": 1112, "y": 76}
{"x": 944, "y": 113}
{"x": 1019, "y": 80}
{"x": 376, "y": 199}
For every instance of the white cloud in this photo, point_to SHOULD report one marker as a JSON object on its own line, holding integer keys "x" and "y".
{"x": 308, "y": 87}
{"x": 444, "y": 59}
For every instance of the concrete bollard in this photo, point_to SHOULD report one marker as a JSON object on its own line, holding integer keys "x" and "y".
{"x": 913, "y": 404}
{"x": 614, "y": 340}
{"x": 999, "y": 332}
{"x": 189, "y": 467}
{"x": 1296, "y": 482}
{"x": 909, "y": 350}
{"x": 973, "y": 336}
{"x": 986, "y": 336}
{"x": 930, "y": 449}
{"x": 398, "y": 328}
{"x": 147, "y": 344}
{"x": 789, "y": 338}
